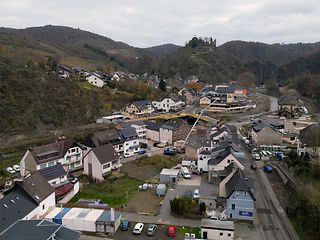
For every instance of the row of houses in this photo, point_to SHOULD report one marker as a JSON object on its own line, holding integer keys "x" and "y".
{"x": 217, "y": 154}
{"x": 146, "y": 107}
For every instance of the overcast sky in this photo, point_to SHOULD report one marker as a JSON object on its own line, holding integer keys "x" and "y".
{"x": 145, "y": 23}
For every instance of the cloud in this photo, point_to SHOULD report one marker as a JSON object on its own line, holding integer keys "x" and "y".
{"x": 149, "y": 22}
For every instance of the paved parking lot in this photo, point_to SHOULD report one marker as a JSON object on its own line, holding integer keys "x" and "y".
{"x": 161, "y": 233}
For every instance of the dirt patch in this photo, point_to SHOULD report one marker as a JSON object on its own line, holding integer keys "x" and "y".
{"x": 145, "y": 202}
{"x": 279, "y": 188}
{"x": 147, "y": 168}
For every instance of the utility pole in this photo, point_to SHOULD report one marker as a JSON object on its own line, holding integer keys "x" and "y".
{"x": 195, "y": 123}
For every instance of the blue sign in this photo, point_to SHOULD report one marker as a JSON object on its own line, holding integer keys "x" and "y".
{"x": 245, "y": 213}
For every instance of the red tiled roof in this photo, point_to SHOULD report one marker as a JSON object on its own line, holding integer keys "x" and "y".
{"x": 63, "y": 189}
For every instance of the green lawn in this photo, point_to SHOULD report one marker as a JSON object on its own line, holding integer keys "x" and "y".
{"x": 195, "y": 230}
{"x": 113, "y": 191}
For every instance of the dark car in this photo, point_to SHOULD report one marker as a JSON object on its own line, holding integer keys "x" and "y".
{"x": 253, "y": 166}
{"x": 125, "y": 225}
{"x": 169, "y": 152}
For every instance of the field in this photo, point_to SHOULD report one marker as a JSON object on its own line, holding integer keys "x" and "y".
{"x": 146, "y": 168}
{"x": 115, "y": 190}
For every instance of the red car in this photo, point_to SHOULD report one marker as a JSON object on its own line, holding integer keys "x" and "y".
{"x": 171, "y": 231}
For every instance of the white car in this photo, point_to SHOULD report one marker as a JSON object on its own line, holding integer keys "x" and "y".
{"x": 196, "y": 193}
{"x": 138, "y": 228}
{"x": 10, "y": 170}
{"x": 16, "y": 168}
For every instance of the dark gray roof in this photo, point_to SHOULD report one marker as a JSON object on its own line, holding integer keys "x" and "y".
{"x": 35, "y": 186}
{"x": 142, "y": 103}
{"x": 105, "y": 153}
{"x": 198, "y": 142}
{"x": 258, "y": 126}
{"x": 220, "y": 131}
{"x": 106, "y": 216}
{"x": 103, "y": 137}
{"x": 52, "y": 172}
{"x": 14, "y": 206}
{"x": 288, "y": 100}
{"x": 238, "y": 182}
{"x": 173, "y": 124}
{"x": 222, "y": 155}
{"x": 153, "y": 126}
{"x": 229, "y": 89}
{"x": 38, "y": 230}
{"x": 128, "y": 133}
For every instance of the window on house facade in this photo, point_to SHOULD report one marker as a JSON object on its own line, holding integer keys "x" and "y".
{"x": 221, "y": 234}
{"x": 233, "y": 206}
{"x": 245, "y": 193}
{"x": 43, "y": 165}
{"x": 68, "y": 158}
{"x": 106, "y": 166}
{"x": 237, "y": 193}
{"x": 50, "y": 163}
{"x": 229, "y": 234}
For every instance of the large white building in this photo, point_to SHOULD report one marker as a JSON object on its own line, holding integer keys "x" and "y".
{"x": 167, "y": 105}
{"x": 217, "y": 230}
{"x": 95, "y": 80}
{"x": 131, "y": 145}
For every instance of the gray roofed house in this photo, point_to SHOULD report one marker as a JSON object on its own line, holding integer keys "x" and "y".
{"x": 105, "y": 153}
{"x": 103, "y": 137}
{"x": 25, "y": 197}
{"x": 128, "y": 133}
{"x": 288, "y": 100}
{"x": 52, "y": 172}
{"x": 141, "y": 107}
{"x": 238, "y": 182}
{"x": 153, "y": 126}
{"x": 129, "y": 124}
{"x": 101, "y": 161}
{"x": 38, "y": 230}
{"x": 142, "y": 103}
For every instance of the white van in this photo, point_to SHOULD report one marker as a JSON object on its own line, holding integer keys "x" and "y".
{"x": 185, "y": 173}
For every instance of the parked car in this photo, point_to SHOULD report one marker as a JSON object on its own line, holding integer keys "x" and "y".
{"x": 268, "y": 168}
{"x": 10, "y": 170}
{"x": 16, "y": 168}
{"x": 169, "y": 152}
{"x": 171, "y": 231}
{"x": 185, "y": 173}
{"x": 257, "y": 157}
{"x": 253, "y": 166}
{"x": 151, "y": 230}
{"x": 141, "y": 152}
{"x": 125, "y": 225}
{"x": 196, "y": 193}
{"x": 138, "y": 228}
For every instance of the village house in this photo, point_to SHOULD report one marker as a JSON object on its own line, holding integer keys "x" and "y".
{"x": 217, "y": 230}
{"x": 288, "y": 106}
{"x": 238, "y": 192}
{"x": 101, "y": 161}
{"x": 65, "y": 152}
{"x": 140, "y": 108}
{"x": 131, "y": 145}
{"x": 174, "y": 130}
{"x": 153, "y": 131}
{"x": 167, "y": 105}
{"x": 139, "y": 126}
{"x": 96, "y": 80}
{"x": 27, "y": 199}
{"x": 263, "y": 134}
{"x": 104, "y": 137}
{"x": 224, "y": 158}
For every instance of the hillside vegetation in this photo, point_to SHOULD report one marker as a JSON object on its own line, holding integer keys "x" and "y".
{"x": 33, "y": 97}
